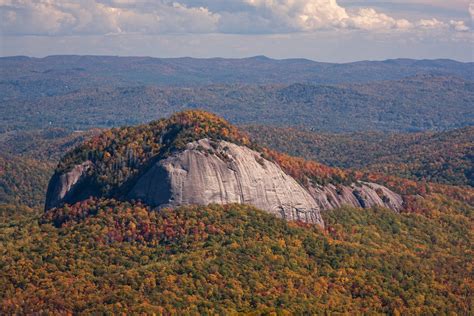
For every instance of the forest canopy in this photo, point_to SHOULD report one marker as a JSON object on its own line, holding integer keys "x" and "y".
{"x": 106, "y": 256}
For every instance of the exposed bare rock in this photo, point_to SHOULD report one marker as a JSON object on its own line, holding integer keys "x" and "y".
{"x": 222, "y": 172}
{"x": 362, "y": 194}
{"x": 64, "y": 188}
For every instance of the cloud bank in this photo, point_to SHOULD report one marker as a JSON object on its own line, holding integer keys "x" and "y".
{"x": 101, "y": 17}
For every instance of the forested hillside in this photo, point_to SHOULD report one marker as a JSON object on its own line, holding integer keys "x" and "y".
{"x": 404, "y": 126}
{"x": 28, "y": 159}
{"x": 444, "y": 157}
{"x": 23, "y": 181}
{"x": 59, "y": 75}
{"x": 412, "y": 104}
{"x": 110, "y": 257}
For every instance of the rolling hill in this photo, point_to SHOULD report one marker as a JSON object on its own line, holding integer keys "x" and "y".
{"x": 115, "y": 254}
{"x": 56, "y": 75}
{"x": 412, "y": 104}
{"x": 347, "y": 188}
{"x": 444, "y": 157}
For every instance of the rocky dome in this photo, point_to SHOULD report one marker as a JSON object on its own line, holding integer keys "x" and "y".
{"x": 197, "y": 158}
{"x": 223, "y": 173}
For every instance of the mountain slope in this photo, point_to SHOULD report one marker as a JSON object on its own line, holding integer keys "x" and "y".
{"x": 444, "y": 157}
{"x": 114, "y": 257}
{"x": 23, "y": 181}
{"x": 28, "y": 160}
{"x": 105, "y": 256}
{"x": 195, "y": 157}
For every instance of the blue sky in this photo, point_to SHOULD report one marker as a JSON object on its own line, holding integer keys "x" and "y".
{"x": 324, "y": 30}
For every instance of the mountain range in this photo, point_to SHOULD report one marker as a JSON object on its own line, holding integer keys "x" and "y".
{"x": 423, "y": 102}
{"x": 22, "y": 73}
{"x": 133, "y": 185}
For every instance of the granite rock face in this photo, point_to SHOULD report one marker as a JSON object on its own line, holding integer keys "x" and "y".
{"x": 68, "y": 187}
{"x": 222, "y": 172}
{"x": 361, "y": 194}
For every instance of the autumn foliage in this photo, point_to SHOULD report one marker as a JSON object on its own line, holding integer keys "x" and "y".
{"x": 111, "y": 257}
{"x": 106, "y": 256}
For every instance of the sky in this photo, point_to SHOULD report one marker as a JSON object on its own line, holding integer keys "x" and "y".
{"x": 322, "y": 30}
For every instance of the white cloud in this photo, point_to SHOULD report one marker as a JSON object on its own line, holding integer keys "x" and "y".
{"x": 95, "y": 17}
{"x": 369, "y": 19}
{"x": 302, "y": 14}
{"x": 63, "y": 17}
{"x": 36, "y": 18}
{"x": 431, "y": 24}
{"x": 309, "y": 15}
{"x": 459, "y": 26}
{"x": 167, "y": 18}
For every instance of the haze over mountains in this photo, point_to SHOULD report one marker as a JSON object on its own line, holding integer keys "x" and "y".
{"x": 240, "y": 185}
{"x": 373, "y": 213}
{"x": 81, "y": 92}
{"x": 80, "y": 71}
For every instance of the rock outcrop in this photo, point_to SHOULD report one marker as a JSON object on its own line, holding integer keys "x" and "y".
{"x": 360, "y": 194}
{"x": 69, "y": 187}
{"x": 222, "y": 172}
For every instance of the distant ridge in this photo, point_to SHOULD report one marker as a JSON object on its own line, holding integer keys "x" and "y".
{"x": 256, "y": 57}
{"x": 416, "y": 103}
{"x": 188, "y": 71}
